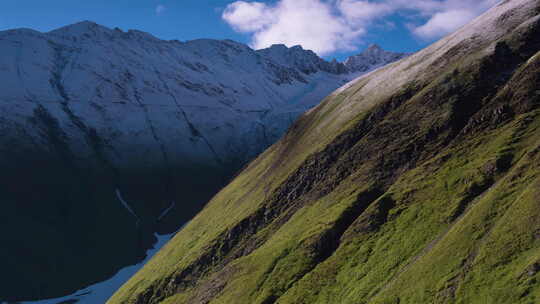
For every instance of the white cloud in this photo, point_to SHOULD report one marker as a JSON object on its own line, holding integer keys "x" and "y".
{"x": 327, "y": 26}
{"x": 160, "y": 9}
{"x": 443, "y": 23}
{"x": 362, "y": 12}
{"x": 447, "y": 16}
{"x": 315, "y": 24}
{"x": 247, "y": 17}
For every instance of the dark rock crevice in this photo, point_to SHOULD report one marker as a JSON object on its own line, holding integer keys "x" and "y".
{"x": 329, "y": 241}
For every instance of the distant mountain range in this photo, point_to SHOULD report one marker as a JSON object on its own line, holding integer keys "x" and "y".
{"x": 108, "y": 137}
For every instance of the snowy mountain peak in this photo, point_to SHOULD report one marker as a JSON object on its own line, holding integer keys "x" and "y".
{"x": 306, "y": 61}
{"x": 95, "y": 32}
{"x": 374, "y": 50}
{"x": 278, "y": 47}
{"x": 80, "y": 28}
{"x": 81, "y": 25}
{"x": 374, "y": 47}
{"x": 372, "y": 57}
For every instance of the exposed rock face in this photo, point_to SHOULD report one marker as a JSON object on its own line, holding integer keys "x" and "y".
{"x": 417, "y": 183}
{"x": 108, "y": 136}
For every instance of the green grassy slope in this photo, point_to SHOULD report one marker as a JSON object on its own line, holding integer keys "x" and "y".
{"x": 419, "y": 183}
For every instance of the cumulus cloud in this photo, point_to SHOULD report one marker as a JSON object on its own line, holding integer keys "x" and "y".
{"x": 449, "y": 15}
{"x": 443, "y": 23}
{"x": 360, "y": 13}
{"x": 248, "y": 17}
{"x": 327, "y": 26}
{"x": 160, "y": 9}
{"x": 310, "y": 23}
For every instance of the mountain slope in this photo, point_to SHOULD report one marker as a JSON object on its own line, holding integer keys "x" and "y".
{"x": 418, "y": 183}
{"x": 107, "y": 137}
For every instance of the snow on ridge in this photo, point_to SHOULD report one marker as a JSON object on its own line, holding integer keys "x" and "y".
{"x": 204, "y": 101}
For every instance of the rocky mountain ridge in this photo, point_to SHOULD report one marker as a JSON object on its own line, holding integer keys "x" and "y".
{"x": 373, "y": 56}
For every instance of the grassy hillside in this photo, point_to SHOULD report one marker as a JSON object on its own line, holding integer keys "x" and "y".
{"x": 419, "y": 183}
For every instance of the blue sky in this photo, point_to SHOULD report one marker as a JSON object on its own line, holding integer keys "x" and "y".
{"x": 332, "y": 28}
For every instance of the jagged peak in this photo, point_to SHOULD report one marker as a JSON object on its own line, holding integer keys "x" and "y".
{"x": 297, "y": 50}
{"x": 374, "y": 49}
{"x": 284, "y": 48}
{"x": 374, "y": 46}
{"x": 278, "y": 46}
{"x": 87, "y": 23}
{"x": 89, "y": 29}
{"x": 82, "y": 27}
{"x": 373, "y": 56}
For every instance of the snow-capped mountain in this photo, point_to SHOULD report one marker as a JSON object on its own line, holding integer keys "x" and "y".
{"x": 108, "y": 136}
{"x": 373, "y": 56}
